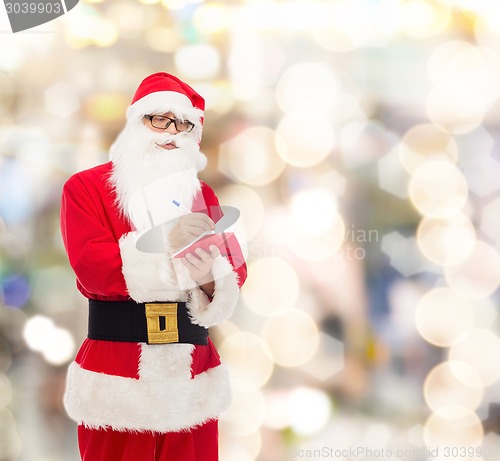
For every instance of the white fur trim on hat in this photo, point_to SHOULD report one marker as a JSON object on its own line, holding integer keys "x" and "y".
{"x": 160, "y": 102}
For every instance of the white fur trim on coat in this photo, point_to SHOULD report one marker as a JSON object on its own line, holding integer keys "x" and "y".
{"x": 159, "y": 404}
{"x": 149, "y": 276}
{"x": 208, "y": 313}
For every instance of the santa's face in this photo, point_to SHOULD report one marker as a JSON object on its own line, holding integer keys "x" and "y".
{"x": 146, "y": 158}
{"x": 167, "y": 123}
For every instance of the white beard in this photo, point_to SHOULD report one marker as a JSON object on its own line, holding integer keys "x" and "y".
{"x": 147, "y": 178}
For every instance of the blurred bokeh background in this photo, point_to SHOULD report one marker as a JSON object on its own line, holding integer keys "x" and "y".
{"x": 359, "y": 140}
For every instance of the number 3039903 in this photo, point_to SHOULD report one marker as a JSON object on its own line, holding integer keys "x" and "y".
{"x": 33, "y": 8}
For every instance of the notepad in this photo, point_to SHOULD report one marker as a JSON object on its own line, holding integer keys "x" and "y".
{"x": 203, "y": 241}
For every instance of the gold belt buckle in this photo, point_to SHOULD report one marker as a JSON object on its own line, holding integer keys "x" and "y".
{"x": 157, "y": 334}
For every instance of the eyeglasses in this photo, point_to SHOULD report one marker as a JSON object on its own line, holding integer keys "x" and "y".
{"x": 162, "y": 122}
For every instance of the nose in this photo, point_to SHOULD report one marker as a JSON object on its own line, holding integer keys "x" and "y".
{"x": 172, "y": 129}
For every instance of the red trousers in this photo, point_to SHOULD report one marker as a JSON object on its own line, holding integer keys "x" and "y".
{"x": 200, "y": 444}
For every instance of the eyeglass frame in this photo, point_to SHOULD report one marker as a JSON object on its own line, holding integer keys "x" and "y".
{"x": 171, "y": 120}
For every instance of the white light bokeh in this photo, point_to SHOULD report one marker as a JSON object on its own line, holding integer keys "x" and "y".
{"x": 130, "y": 18}
{"x": 306, "y": 410}
{"x": 12, "y": 57}
{"x": 37, "y": 331}
{"x": 442, "y": 389}
{"x": 425, "y": 142}
{"x": 334, "y": 181}
{"x": 247, "y": 411}
{"x": 348, "y": 24}
{"x": 438, "y": 189}
{"x": 251, "y": 157}
{"x": 163, "y": 39}
{"x": 487, "y": 26}
{"x": 475, "y": 71}
{"x": 177, "y": 4}
{"x": 85, "y": 26}
{"x": 244, "y": 448}
{"x": 465, "y": 85}
{"x": 197, "y": 62}
{"x": 61, "y": 348}
{"x": 277, "y": 415}
{"x": 266, "y": 16}
{"x": 292, "y": 336}
{"x": 285, "y": 292}
{"x": 317, "y": 230}
{"x": 212, "y": 17}
{"x": 440, "y": 59}
{"x": 446, "y": 241}
{"x": 306, "y": 141}
{"x": 453, "y": 115}
{"x": 217, "y": 94}
{"x": 246, "y": 68}
{"x": 422, "y": 18}
{"x": 233, "y": 451}
{"x": 465, "y": 5}
{"x": 254, "y": 62}
{"x": 248, "y": 357}
{"x": 12, "y": 444}
{"x": 312, "y": 246}
{"x": 309, "y": 410}
{"x": 251, "y": 209}
{"x": 455, "y": 427}
{"x": 466, "y": 72}
{"x": 479, "y": 348}
{"x": 62, "y": 99}
{"x": 443, "y": 315}
{"x": 314, "y": 211}
{"x": 478, "y": 276}
{"x": 310, "y": 88}
{"x": 54, "y": 343}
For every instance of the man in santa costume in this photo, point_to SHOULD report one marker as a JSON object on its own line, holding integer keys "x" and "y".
{"x": 147, "y": 384}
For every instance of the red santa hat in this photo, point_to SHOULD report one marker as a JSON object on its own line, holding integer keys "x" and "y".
{"x": 162, "y": 92}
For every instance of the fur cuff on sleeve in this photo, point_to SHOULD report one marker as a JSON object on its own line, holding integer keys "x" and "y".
{"x": 206, "y": 312}
{"x": 148, "y": 276}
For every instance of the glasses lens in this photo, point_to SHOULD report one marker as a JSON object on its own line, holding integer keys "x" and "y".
{"x": 183, "y": 125}
{"x": 160, "y": 122}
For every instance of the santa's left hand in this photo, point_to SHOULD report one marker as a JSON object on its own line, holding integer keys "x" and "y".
{"x": 200, "y": 264}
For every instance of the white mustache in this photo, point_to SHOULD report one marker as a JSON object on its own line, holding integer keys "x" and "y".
{"x": 165, "y": 138}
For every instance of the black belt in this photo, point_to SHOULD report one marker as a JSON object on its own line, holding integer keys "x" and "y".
{"x": 152, "y": 323}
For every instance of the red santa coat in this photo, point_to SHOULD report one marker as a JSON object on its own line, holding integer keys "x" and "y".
{"x": 135, "y": 386}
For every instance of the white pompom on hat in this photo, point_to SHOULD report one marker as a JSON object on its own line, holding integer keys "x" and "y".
{"x": 160, "y": 93}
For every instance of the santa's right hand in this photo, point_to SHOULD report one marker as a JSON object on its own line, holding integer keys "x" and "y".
{"x": 189, "y": 227}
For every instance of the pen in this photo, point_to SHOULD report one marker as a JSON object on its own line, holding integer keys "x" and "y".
{"x": 176, "y": 203}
